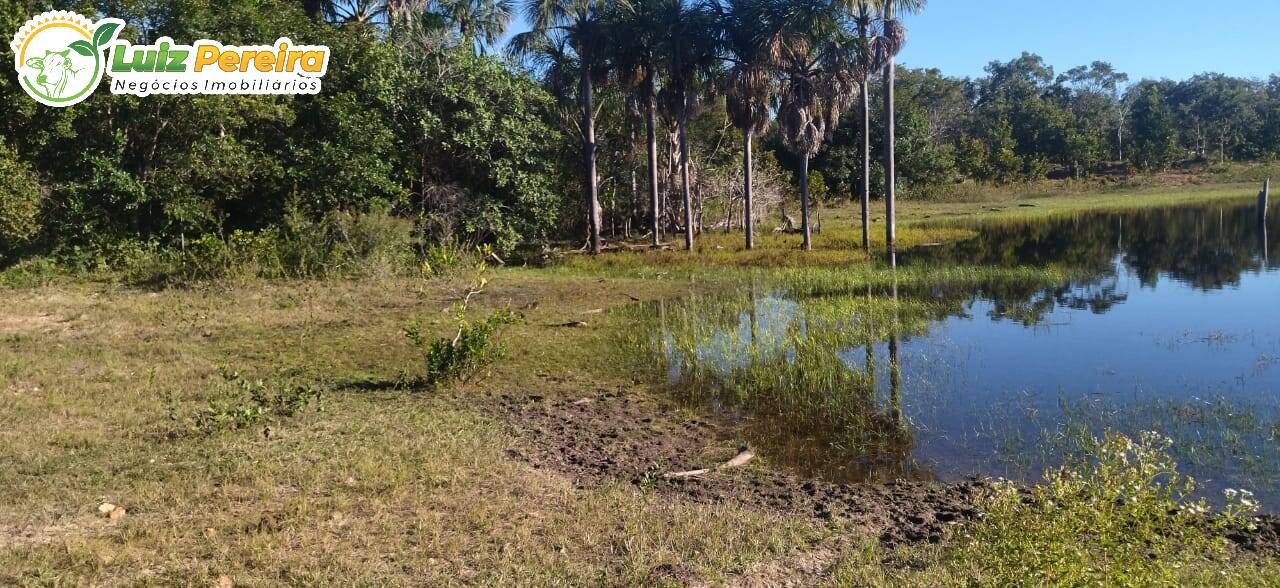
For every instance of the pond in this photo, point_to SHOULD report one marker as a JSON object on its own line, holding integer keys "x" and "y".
{"x": 1173, "y": 326}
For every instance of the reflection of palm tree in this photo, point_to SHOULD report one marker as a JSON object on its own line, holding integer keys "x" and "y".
{"x": 895, "y": 382}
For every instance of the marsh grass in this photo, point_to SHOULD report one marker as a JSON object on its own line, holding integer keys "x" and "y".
{"x": 784, "y": 363}
{"x": 1127, "y": 497}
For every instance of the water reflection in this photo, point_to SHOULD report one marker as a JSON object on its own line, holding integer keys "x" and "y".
{"x": 1174, "y": 326}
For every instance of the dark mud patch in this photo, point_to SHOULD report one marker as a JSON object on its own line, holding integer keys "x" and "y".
{"x": 615, "y": 436}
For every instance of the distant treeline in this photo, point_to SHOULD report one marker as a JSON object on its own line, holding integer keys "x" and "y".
{"x": 1024, "y": 122}
{"x": 422, "y": 115}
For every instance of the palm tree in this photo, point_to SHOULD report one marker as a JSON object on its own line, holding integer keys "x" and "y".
{"x": 580, "y": 26}
{"x": 751, "y": 47}
{"x": 355, "y": 11}
{"x": 480, "y": 23}
{"x": 894, "y": 37}
{"x": 690, "y": 53}
{"x": 638, "y": 28}
{"x": 864, "y": 21}
{"x": 818, "y": 84}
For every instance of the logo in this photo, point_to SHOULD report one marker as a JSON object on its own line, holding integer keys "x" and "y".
{"x": 61, "y": 58}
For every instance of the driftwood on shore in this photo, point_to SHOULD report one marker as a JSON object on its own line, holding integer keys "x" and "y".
{"x": 741, "y": 459}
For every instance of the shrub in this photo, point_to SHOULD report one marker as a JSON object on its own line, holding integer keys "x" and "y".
{"x": 29, "y": 273}
{"x": 472, "y": 347}
{"x": 20, "y": 198}
{"x": 1122, "y": 516}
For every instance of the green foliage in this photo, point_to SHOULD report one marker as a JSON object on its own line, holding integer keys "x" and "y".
{"x": 340, "y": 244}
{"x": 241, "y": 403}
{"x": 1154, "y": 130}
{"x": 472, "y": 347}
{"x": 1121, "y": 516}
{"x": 20, "y": 199}
{"x": 458, "y": 142}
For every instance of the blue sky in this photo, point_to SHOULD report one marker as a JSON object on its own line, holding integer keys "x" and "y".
{"x": 1143, "y": 38}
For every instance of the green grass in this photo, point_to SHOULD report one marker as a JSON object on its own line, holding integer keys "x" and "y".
{"x": 373, "y": 484}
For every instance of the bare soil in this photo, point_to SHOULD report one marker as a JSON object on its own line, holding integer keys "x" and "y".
{"x": 616, "y": 436}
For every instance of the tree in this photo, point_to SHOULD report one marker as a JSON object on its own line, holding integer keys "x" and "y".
{"x": 818, "y": 85}
{"x": 1154, "y": 129}
{"x": 867, "y": 63}
{"x": 690, "y": 52}
{"x": 639, "y": 39}
{"x": 750, "y": 46}
{"x": 20, "y": 197}
{"x": 480, "y": 23}
{"x": 361, "y": 12}
{"x": 582, "y": 26}
{"x": 895, "y": 36}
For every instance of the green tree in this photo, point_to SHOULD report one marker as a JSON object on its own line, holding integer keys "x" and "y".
{"x": 20, "y": 198}
{"x": 1154, "y": 129}
{"x": 816, "y": 86}
{"x": 578, "y": 30}
{"x": 691, "y": 53}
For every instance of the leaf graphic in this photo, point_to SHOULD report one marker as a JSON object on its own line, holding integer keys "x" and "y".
{"x": 82, "y": 47}
{"x": 105, "y": 33}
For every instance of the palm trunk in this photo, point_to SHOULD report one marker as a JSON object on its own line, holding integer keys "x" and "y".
{"x": 747, "y": 219}
{"x": 634, "y": 208}
{"x": 651, "y": 117}
{"x": 866, "y": 167}
{"x": 684, "y": 175}
{"x": 589, "y": 157}
{"x": 895, "y": 381}
{"x": 890, "y": 170}
{"x": 804, "y": 202}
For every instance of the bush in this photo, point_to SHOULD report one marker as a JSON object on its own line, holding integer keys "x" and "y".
{"x": 473, "y": 346}
{"x": 1121, "y": 516}
{"x": 20, "y": 199}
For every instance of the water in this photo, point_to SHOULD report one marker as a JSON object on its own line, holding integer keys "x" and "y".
{"x": 1176, "y": 328}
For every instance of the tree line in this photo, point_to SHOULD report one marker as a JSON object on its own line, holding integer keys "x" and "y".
{"x": 608, "y": 119}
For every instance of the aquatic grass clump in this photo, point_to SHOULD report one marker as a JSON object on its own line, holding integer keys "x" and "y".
{"x": 1120, "y": 515}
{"x": 784, "y": 363}
{"x": 951, "y": 279}
{"x": 1233, "y": 441}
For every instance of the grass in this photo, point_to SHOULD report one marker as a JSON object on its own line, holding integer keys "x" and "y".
{"x": 371, "y": 483}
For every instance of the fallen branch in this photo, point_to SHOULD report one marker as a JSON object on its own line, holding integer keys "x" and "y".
{"x": 739, "y": 460}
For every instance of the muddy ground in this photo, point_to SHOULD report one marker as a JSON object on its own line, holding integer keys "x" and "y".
{"x": 610, "y": 436}
{"x": 616, "y": 436}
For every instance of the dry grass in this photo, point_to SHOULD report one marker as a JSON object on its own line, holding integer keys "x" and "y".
{"x": 381, "y": 486}
{"x": 375, "y": 485}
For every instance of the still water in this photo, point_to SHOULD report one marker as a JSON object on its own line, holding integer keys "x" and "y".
{"x": 1174, "y": 327}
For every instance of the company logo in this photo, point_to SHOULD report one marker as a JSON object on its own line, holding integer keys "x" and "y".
{"x": 61, "y": 57}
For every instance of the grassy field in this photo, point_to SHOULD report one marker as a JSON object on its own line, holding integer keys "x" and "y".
{"x": 374, "y": 482}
